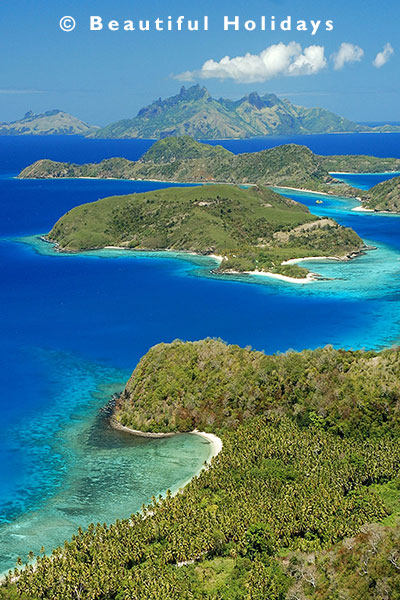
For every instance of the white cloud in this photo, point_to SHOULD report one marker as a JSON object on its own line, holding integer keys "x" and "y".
{"x": 278, "y": 59}
{"x": 347, "y": 53}
{"x": 382, "y": 57}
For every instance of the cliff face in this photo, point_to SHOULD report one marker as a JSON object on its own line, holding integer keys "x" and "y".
{"x": 194, "y": 112}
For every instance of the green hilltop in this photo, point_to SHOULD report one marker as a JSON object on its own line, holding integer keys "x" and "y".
{"x": 222, "y": 385}
{"x": 302, "y": 501}
{"x": 253, "y": 229}
{"x": 194, "y": 112}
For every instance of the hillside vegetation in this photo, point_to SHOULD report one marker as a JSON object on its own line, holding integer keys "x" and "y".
{"x": 302, "y": 502}
{"x": 359, "y": 163}
{"x": 253, "y": 229}
{"x": 344, "y": 392}
{"x": 385, "y": 196}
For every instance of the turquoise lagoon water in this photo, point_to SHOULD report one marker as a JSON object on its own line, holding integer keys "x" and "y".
{"x": 365, "y": 180}
{"x": 73, "y": 327}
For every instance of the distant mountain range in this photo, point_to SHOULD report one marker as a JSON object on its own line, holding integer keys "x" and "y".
{"x": 195, "y": 113}
{"x": 52, "y": 122}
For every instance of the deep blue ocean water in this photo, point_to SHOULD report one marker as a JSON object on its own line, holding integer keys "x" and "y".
{"x": 73, "y": 327}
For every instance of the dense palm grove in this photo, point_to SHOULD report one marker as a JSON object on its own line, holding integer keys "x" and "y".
{"x": 302, "y": 502}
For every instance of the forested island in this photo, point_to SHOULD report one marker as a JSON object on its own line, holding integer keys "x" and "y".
{"x": 184, "y": 160}
{"x": 251, "y": 229}
{"x": 194, "y": 112}
{"x": 302, "y": 502}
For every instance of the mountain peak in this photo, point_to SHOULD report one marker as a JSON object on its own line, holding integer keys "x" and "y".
{"x": 195, "y": 92}
{"x": 255, "y": 100}
{"x": 30, "y": 115}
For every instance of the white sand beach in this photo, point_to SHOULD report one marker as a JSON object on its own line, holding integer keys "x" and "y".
{"x": 216, "y": 256}
{"x": 314, "y": 192}
{"x": 215, "y": 441}
{"x": 294, "y": 261}
{"x": 362, "y": 209}
{"x": 308, "y": 279}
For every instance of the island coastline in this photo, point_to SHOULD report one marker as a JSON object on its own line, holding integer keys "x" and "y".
{"x": 215, "y": 442}
{"x": 362, "y": 209}
{"x": 310, "y": 277}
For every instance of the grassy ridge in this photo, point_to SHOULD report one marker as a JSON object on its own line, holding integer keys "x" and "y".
{"x": 252, "y": 228}
{"x": 310, "y": 440}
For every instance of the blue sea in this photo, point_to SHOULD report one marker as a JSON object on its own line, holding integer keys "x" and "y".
{"x": 73, "y": 327}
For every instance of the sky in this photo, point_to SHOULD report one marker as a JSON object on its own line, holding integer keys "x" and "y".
{"x": 105, "y": 75}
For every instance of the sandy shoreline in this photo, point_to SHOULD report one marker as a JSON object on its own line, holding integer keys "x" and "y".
{"x": 117, "y": 425}
{"x": 214, "y": 440}
{"x": 362, "y": 209}
{"x": 182, "y": 252}
{"x": 293, "y": 189}
{"x": 310, "y": 278}
{"x": 172, "y": 182}
{"x": 294, "y": 261}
